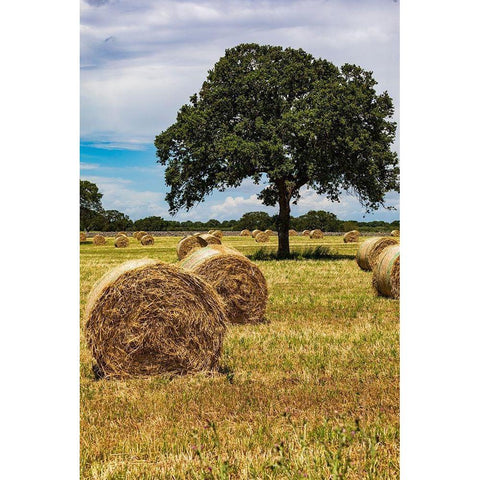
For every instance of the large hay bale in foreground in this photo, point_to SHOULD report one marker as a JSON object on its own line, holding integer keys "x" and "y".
{"x": 369, "y": 251}
{"x": 306, "y": 233}
{"x": 395, "y": 233}
{"x": 140, "y": 234}
{"x": 211, "y": 239}
{"x": 245, "y": 233}
{"x": 147, "y": 240}
{"x": 255, "y": 232}
{"x": 292, "y": 233}
{"x": 189, "y": 243}
{"x": 121, "y": 241}
{"x": 83, "y": 237}
{"x": 99, "y": 240}
{"x": 262, "y": 237}
{"x": 218, "y": 234}
{"x": 352, "y": 236}
{"x": 317, "y": 233}
{"x": 210, "y": 232}
{"x": 146, "y": 317}
{"x": 386, "y": 274}
{"x": 238, "y": 280}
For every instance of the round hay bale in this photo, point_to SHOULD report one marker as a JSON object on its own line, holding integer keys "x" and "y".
{"x": 369, "y": 251}
{"x": 306, "y": 233}
{"x": 134, "y": 235}
{"x": 196, "y": 234}
{"x": 121, "y": 233}
{"x": 99, "y": 240}
{"x": 262, "y": 237}
{"x": 211, "y": 239}
{"x": 147, "y": 240}
{"x": 386, "y": 273}
{"x": 292, "y": 233}
{"x": 83, "y": 237}
{"x": 269, "y": 232}
{"x": 146, "y": 317}
{"x": 352, "y": 236}
{"x": 317, "y": 233}
{"x": 187, "y": 244}
{"x": 395, "y": 233}
{"x": 218, "y": 234}
{"x": 121, "y": 241}
{"x": 245, "y": 233}
{"x": 254, "y": 233}
{"x": 210, "y": 232}
{"x": 238, "y": 281}
{"x": 140, "y": 234}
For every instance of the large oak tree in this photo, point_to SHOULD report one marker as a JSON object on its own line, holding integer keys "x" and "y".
{"x": 285, "y": 119}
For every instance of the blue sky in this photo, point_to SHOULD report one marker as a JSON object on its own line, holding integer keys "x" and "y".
{"x": 142, "y": 59}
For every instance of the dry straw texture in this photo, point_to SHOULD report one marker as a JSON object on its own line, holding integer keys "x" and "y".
{"x": 386, "y": 274}
{"x": 255, "y": 232}
{"x": 292, "y": 233}
{"x": 317, "y": 233}
{"x": 218, "y": 234}
{"x": 121, "y": 233}
{"x": 140, "y": 234}
{"x": 351, "y": 236}
{"x": 211, "y": 239}
{"x": 83, "y": 237}
{"x": 188, "y": 244}
{"x": 99, "y": 240}
{"x": 146, "y": 317}
{"x": 245, "y": 233}
{"x": 147, "y": 240}
{"x": 270, "y": 232}
{"x": 306, "y": 233}
{"x": 121, "y": 241}
{"x": 369, "y": 251}
{"x": 395, "y": 233}
{"x": 262, "y": 237}
{"x": 210, "y": 232}
{"x": 239, "y": 281}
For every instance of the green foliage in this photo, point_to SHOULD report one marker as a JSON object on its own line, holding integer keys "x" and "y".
{"x": 254, "y": 220}
{"x": 90, "y": 205}
{"x": 279, "y": 114}
{"x": 325, "y": 221}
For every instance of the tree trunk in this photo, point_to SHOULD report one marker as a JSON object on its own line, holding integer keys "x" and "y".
{"x": 283, "y": 222}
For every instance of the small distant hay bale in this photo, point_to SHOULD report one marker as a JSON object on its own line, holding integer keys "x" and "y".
{"x": 218, "y": 234}
{"x": 83, "y": 237}
{"x": 140, "y": 234}
{"x": 292, "y": 233}
{"x": 121, "y": 241}
{"x": 211, "y": 239}
{"x": 147, "y": 240}
{"x": 262, "y": 237}
{"x": 369, "y": 251}
{"x": 269, "y": 232}
{"x": 317, "y": 233}
{"x": 306, "y": 233}
{"x": 121, "y": 233}
{"x": 386, "y": 274}
{"x": 245, "y": 233}
{"x": 134, "y": 234}
{"x": 99, "y": 240}
{"x": 146, "y": 317}
{"x": 187, "y": 244}
{"x": 238, "y": 281}
{"x": 395, "y": 233}
{"x": 255, "y": 232}
{"x": 352, "y": 236}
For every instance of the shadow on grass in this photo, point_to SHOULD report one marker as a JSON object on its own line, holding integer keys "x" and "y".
{"x": 318, "y": 253}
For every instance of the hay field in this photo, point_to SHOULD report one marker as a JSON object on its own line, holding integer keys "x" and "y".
{"x": 311, "y": 394}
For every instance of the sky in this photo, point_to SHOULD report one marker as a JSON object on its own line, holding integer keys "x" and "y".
{"x": 141, "y": 60}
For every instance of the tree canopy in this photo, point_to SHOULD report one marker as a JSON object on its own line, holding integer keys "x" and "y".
{"x": 90, "y": 204}
{"x": 284, "y": 119}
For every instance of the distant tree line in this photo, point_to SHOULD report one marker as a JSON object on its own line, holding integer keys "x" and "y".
{"x": 94, "y": 218}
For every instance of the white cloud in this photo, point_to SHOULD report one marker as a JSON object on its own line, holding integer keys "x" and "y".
{"x": 88, "y": 166}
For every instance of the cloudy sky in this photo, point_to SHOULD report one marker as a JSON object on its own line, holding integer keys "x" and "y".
{"x": 142, "y": 59}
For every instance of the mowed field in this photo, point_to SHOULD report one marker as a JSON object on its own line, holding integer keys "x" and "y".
{"x": 312, "y": 393}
